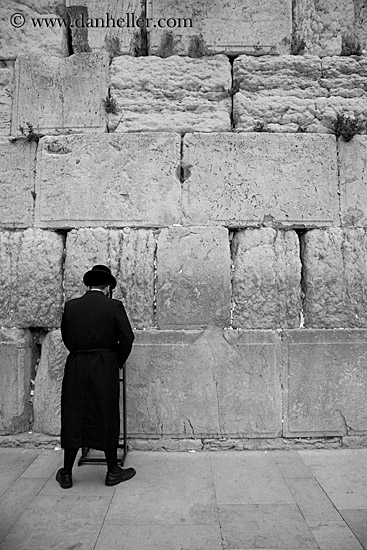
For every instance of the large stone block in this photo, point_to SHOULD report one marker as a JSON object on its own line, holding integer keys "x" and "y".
{"x": 130, "y": 255}
{"x": 17, "y": 182}
{"x": 57, "y": 95}
{"x": 266, "y": 282}
{"x": 108, "y": 179}
{"x": 109, "y": 25}
{"x": 47, "y": 388}
{"x": 15, "y": 388}
{"x": 322, "y": 28}
{"x": 30, "y": 278}
{"x": 297, "y": 93}
{"x": 196, "y": 28}
{"x": 353, "y": 181}
{"x": 326, "y": 383}
{"x": 335, "y": 278}
{"x": 6, "y": 94}
{"x": 204, "y": 383}
{"x": 193, "y": 277}
{"x": 246, "y": 179}
{"x": 176, "y": 94}
{"x": 32, "y": 26}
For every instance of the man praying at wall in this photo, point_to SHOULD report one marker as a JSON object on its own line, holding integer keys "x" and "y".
{"x": 96, "y": 331}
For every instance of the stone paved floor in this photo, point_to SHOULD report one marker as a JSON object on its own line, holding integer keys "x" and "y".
{"x": 188, "y": 501}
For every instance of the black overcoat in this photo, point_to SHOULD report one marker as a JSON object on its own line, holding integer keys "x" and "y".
{"x": 96, "y": 331}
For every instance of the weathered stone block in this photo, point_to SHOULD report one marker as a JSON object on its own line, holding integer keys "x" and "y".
{"x": 353, "y": 181}
{"x": 201, "y": 384}
{"x": 246, "y": 179}
{"x": 109, "y": 25}
{"x": 47, "y": 389}
{"x": 34, "y": 35}
{"x": 6, "y": 94}
{"x": 322, "y": 28}
{"x": 335, "y": 278}
{"x": 176, "y": 94}
{"x": 198, "y": 28}
{"x": 266, "y": 282}
{"x": 129, "y": 253}
{"x": 344, "y": 76}
{"x": 108, "y": 179}
{"x": 326, "y": 383}
{"x": 193, "y": 277}
{"x": 30, "y": 278}
{"x": 16, "y": 182}
{"x": 55, "y": 94}
{"x": 15, "y": 388}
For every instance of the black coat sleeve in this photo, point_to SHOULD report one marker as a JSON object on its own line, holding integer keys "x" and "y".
{"x": 125, "y": 335}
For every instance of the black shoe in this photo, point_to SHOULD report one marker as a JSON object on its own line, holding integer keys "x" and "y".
{"x": 123, "y": 475}
{"x": 65, "y": 480}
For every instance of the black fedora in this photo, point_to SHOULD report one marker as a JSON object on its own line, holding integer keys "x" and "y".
{"x": 99, "y": 275}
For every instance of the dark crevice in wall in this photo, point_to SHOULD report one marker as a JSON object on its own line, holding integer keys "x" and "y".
{"x": 38, "y": 335}
{"x": 155, "y": 279}
{"x": 64, "y": 234}
{"x": 301, "y": 238}
{"x": 233, "y": 251}
{"x": 233, "y": 90}
{"x": 338, "y": 162}
{"x": 144, "y": 35}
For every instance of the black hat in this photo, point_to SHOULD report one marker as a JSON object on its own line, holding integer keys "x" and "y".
{"x": 99, "y": 275}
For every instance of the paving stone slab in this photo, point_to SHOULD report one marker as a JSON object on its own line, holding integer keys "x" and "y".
{"x": 15, "y": 362}
{"x": 108, "y": 179}
{"x": 259, "y": 525}
{"x": 252, "y": 479}
{"x": 334, "y": 278}
{"x": 130, "y": 254}
{"x": 266, "y": 279}
{"x": 228, "y": 182}
{"x": 193, "y": 277}
{"x": 336, "y": 536}
{"x": 20, "y": 35}
{"x": 17, "y": 182}
{"x": 219, "y": 27}
{"x": 357, "y": 522}
{"x": 199, "y": 384}
{"x": 110, "y": 25}
{"x": 290, "y": 464}
{"x": 30, "y": 278}
{"x": 353, "y": 181}
{"x": 47, "y": 389}
{"x": 6, "y": 93}
{"x": 14, "y": 462}
{"x": 64, "y": 521}
{"x": 177, "y": 94}
{"x": 60, "y": 94}
{"x": 322, "y": 28}
{"x": 326, "y": 382}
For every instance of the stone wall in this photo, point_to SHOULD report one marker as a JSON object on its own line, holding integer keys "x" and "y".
{"x": 219, "y": 169}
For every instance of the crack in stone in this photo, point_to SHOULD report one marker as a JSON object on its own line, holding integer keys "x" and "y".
{"x": 348, "y": 429}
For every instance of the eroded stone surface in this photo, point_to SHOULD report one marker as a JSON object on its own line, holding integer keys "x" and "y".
{"x": 47, "y": 389}
{"x": 335, "y": 278}
{"x": 322, "y": 28}
{"x": 266, "y": 279}
{"x": 16, "y": 182}
{"x": 353, "y": 181}
{"x": 55, "y": 94}
{"x": 327, "y": 381}
{"x": 201, "y": 384}
{"x": 30, "y": 278}
{"x": 297, "y": 93}
{"x": 15, "y": 387}
{"x": 108, "y": 25}
{"x": 18, "y": 39}
{"x": 6, "y": 94}
{"x": 175, "y": 94}
{"x": 246, "y": 179}
{"x": 193, "y": 277}
{"x": 243, "y": 27}
{"x": 130, "y": 255}
{"x": 108, "y": 179}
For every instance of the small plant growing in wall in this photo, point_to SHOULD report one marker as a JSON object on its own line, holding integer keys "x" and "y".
{"x": 347, "y": 127}
{"x": 350, "y": 45}
{"x": 29, "y": 133}
{"x": 110, "y": 105}
{"x": 260, "y": 126}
